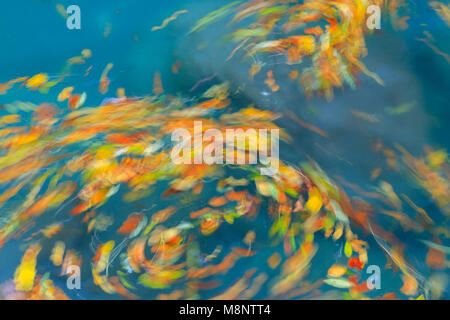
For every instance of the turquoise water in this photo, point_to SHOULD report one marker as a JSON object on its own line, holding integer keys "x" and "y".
{"x": 34, "y": 39}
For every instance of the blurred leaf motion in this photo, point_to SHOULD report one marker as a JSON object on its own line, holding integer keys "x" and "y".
{"x": 75, "y": 168}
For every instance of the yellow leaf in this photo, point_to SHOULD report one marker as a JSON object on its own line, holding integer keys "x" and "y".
{"x": 336, "y": 271}
{"x": 436, "y": 158}
{"x": 37, "y": 80}
{"x": 348, "y": 249}
{"x": 315, "y": 201}
{"x": 338, "y": 231}
{"x": 26, "y": 271}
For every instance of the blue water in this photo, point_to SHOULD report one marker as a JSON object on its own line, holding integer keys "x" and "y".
{"x": 34, "y": 39}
